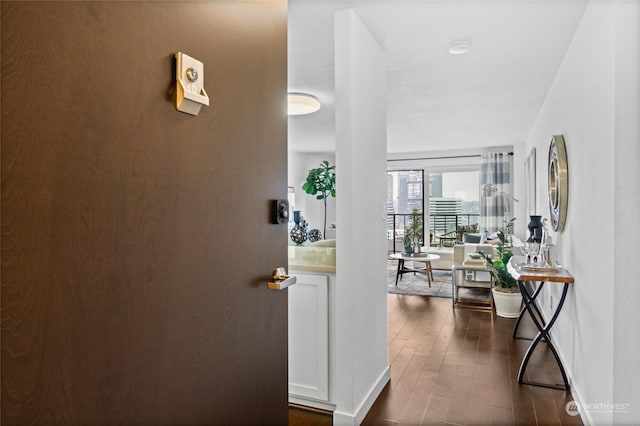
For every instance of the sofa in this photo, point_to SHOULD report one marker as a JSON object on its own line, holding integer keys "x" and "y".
{"x": 461, "y": 251}
{"x": 457, "y": 254}
{"x": 446, "y": 258}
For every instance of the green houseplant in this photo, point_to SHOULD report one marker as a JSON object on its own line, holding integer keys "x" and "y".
{"x": 503, "y": 279}
{"x": 506, "y": 292}
{"x": 413, "y": 232}
{"x": 321, "y": 182}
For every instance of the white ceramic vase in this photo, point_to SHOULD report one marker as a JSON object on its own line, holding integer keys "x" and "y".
{"x": 507, "y": 304}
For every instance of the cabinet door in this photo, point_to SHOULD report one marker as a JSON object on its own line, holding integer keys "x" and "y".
{"x": 309, "y": 337}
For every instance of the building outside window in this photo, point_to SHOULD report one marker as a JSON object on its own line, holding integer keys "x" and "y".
{"x": 405, "y": 196}
{"x": 453, "y": 203}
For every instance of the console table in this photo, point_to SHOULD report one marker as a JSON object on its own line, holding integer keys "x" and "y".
{"x": 541, "y": 276}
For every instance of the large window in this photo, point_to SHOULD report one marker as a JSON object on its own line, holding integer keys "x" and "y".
{"x": 405, "y": 204}
{"x": 454, "y": 205}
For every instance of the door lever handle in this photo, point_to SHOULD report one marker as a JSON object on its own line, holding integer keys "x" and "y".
{"x": 281, "y": 280}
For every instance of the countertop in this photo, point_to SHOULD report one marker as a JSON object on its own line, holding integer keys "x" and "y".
{"x": 314, "y": 259}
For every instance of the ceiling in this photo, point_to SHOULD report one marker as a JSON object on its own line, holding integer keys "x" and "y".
{"x": 488, "y": 97}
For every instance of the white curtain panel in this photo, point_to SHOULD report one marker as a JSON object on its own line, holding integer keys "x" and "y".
{"x": 495, "y": 169}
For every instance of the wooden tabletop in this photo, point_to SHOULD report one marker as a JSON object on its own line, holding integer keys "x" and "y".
{"x": 521, "y": 273}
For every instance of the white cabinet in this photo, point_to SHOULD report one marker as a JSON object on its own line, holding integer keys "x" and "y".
{"x": 309, "y": 339}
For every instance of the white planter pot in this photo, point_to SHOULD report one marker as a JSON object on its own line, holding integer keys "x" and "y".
{"x": 507, "y": 304}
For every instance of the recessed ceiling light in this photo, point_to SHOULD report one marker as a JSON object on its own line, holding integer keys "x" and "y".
{"x": 459, "y": 47}
{"x": 302, "y": 103}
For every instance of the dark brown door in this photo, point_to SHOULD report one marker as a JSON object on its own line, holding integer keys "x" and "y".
{"x": 136, "y": 243}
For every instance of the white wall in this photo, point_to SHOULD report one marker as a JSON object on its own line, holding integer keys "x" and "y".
{"x": 626, "y": 331}
{"x": 313, "y": 210}
{"x": 584, "y": 106}
{"x": 361, "y": 290}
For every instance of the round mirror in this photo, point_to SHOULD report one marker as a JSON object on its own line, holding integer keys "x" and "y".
{"x": 553, "y": 183}
{"x": 558, "y": 187}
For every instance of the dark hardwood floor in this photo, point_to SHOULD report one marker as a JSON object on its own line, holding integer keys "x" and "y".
{"x": 302, "y": 416}
{"x": 459, "y": 368}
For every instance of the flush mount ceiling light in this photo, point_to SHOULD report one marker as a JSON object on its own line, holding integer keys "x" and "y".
{"x": 302, "y": 103}
{"x": 459, "y": 47}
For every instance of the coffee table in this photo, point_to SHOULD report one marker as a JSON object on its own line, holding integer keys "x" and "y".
{"x": 415, "y": 257}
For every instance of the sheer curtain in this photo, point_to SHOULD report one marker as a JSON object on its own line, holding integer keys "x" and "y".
{"x": 495, "y": 169}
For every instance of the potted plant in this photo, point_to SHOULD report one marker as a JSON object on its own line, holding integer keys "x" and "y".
{"x": 506, "y": 293}
{"x": 408, "y": 243}
{"x": 413, "y": 233}
{"x": 321, "y": 182}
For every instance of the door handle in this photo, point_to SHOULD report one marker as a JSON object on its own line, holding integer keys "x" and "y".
{"x": 281, "y": 280}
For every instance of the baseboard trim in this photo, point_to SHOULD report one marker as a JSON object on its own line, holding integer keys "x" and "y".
{"x": 310, "y": 409}
{"x": 351, "y": 419}
{"x": 312, "y": 403}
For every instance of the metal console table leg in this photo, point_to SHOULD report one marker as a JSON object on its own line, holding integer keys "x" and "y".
{"x": 532, "y": 299}
{"x": 542, "y": 334}
{"x": 552, "y": 275}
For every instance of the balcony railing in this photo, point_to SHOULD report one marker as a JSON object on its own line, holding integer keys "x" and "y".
{"x": 443, "y": 227}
